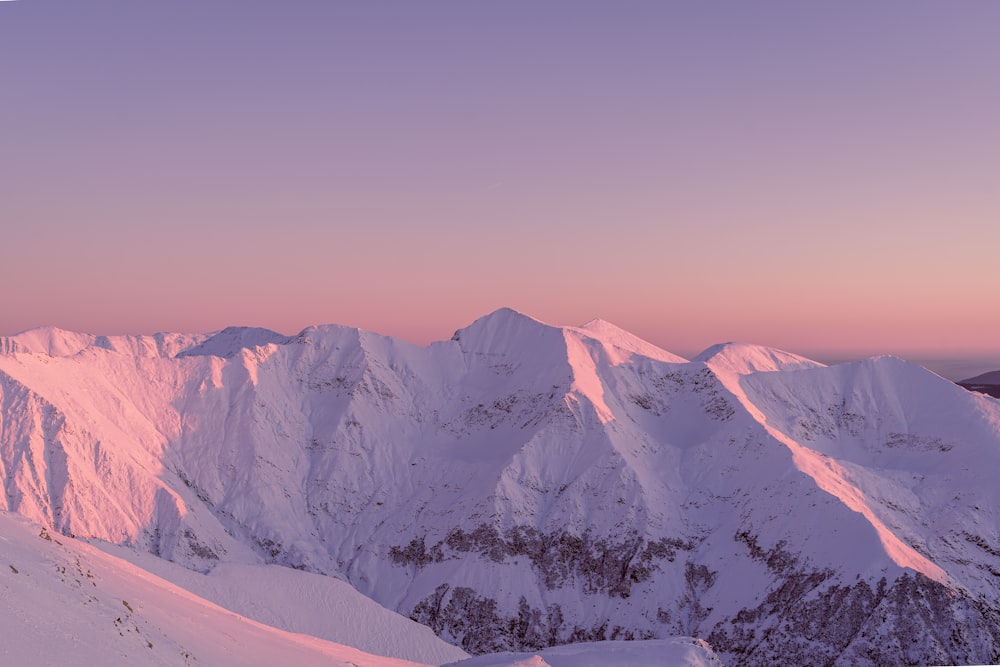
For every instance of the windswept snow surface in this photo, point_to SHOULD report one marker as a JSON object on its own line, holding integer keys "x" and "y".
{"x": 524, "y": 485}
{"x": 66, "y": 603}
{"x": 305, "y": 603}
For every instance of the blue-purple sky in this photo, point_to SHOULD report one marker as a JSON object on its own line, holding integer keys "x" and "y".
{"x": 813, "y": 176}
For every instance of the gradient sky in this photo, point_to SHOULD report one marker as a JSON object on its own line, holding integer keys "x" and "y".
{"x": 812, "y": 176}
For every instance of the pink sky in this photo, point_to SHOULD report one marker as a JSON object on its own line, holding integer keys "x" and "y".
{"x": 812, "y": 177}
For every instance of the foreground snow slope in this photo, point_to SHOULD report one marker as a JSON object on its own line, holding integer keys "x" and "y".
{"x": 524, "y": 485}
{"x": 302, "y": 602}
{"x": 66, "y": 603}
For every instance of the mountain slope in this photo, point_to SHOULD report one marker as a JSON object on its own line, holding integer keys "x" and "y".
{"x": 68, "y": 603}
{"x": 524, "y": 485}
{"x": 304, "y": 603}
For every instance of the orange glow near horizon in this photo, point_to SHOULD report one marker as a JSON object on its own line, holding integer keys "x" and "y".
{"x": 690, "y": 175}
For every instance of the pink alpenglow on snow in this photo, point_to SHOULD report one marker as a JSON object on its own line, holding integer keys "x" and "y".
{"x": 517, "y": 486}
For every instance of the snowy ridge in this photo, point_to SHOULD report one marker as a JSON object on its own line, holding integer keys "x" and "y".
{"x": 232, "y": 340}
{"x": 304, "y": 603}
{"x": 524, "y": 485}
{"x": 67, "y": 603}
{"x": 743, "y": 359}
{"x": 54, "y": 342}
{"x": 624, "y": 343}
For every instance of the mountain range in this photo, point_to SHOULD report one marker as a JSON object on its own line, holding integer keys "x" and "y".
{"x": 524, "y": 486}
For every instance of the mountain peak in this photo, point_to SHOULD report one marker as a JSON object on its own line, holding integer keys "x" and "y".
{"x": 746, "y": 358}
{"x": 228, "y": 342}
{"x": 49, "y": 340}
{"x": 501, "y": 317}
{"x": 501, "y": 323}
{"x": 626, "y": 341}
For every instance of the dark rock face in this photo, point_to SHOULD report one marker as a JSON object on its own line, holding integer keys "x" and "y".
{"x": 808, "y": 617}
{"x": 597, "y": 566}
{"x": 473, "y": 622}
{"x": 600, "y": 565}
{"x": 913, "y": 621}
{"x": 808, "y": 620}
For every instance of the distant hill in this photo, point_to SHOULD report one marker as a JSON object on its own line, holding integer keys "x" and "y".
{"x": 987, "y": 383}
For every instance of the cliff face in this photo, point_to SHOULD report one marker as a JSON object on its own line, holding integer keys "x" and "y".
{"x": 524, "y": 485}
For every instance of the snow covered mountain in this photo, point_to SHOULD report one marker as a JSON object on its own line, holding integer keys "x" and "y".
{"x": 524, "y": 485}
